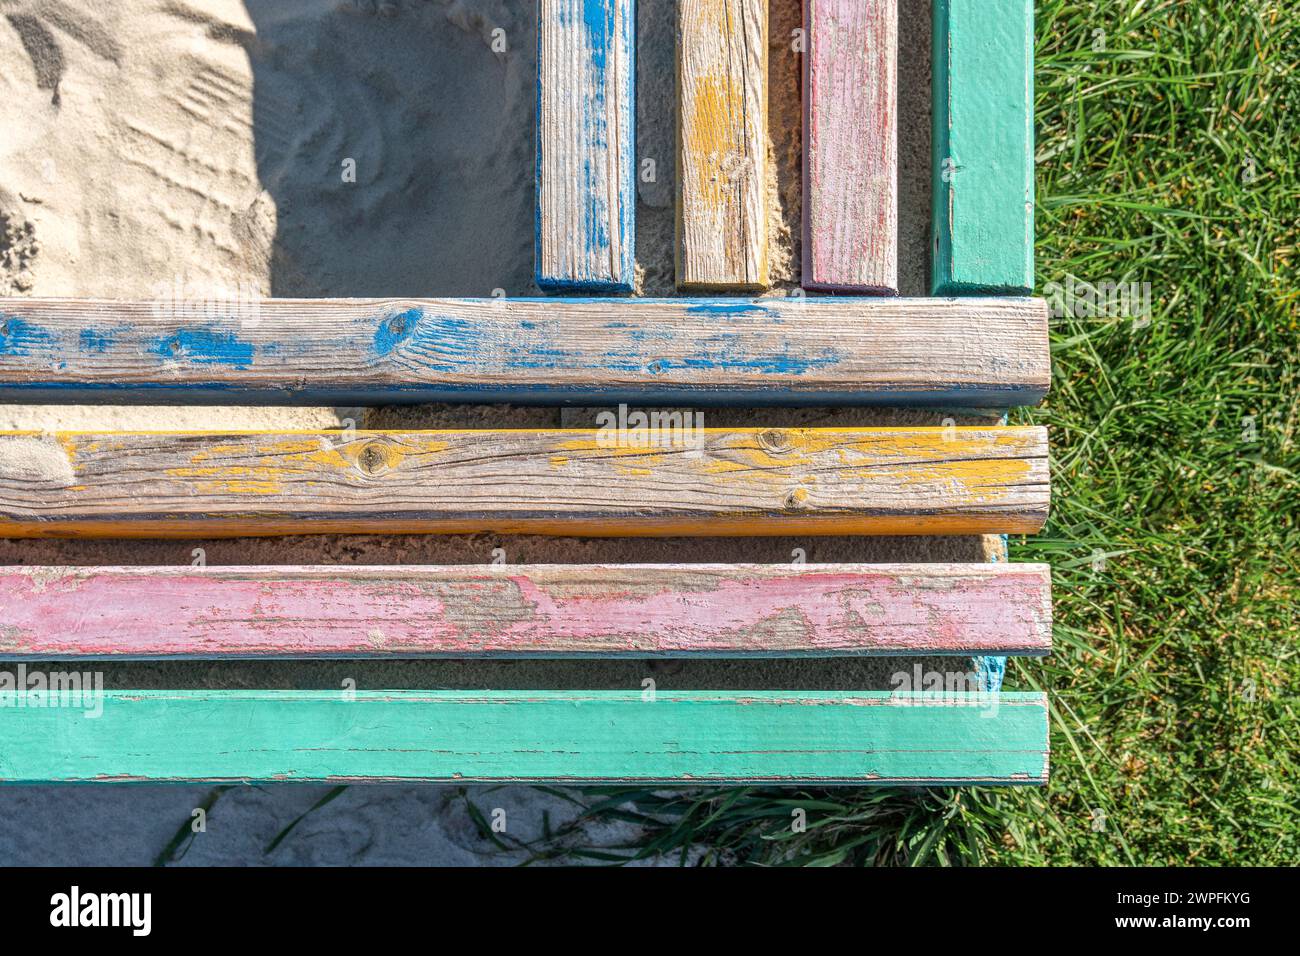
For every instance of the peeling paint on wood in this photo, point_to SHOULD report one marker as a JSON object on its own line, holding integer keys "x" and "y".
{"x": 606, "y": 482}
{"x": 561, "y": 736}
{"x": 850, "y": 166}
{"x": 586, "y": 190}
{"x": 641, "y": 611}
{"x": 777, "y": 350}
{"x": 722, "y": 144}
{"x": 983, "y": 144}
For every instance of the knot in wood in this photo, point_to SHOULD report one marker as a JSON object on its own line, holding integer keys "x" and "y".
{"x": 372, "y": 460}
{"x": 797, "y": 499}
{"x": 774, "y": 441}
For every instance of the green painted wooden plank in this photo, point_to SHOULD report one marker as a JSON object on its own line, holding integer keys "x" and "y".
{"x": 983, "y": 168}
{"x": 563, "y": 736}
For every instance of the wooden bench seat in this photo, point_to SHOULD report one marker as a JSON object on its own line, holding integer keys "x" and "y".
{"x": 697, "y": 352}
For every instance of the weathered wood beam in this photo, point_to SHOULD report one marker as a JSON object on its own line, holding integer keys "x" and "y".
{"x": 636, "y": 610}
{"x": 777, "y": 350}
{"x": 667, "y": 478}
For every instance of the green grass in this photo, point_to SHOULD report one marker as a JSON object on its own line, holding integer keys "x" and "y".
{"x": 1167, "y": 155}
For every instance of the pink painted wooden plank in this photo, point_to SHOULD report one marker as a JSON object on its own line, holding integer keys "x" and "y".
{"x": 850, "y": 213}
{"x": 714, "y": 610}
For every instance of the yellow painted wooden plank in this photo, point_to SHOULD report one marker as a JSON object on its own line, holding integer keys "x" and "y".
{"x": 722, "y": 145}
{"x": 663, "y": 476}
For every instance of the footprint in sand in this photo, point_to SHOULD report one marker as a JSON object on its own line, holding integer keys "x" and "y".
{"x": 36, "y": 24}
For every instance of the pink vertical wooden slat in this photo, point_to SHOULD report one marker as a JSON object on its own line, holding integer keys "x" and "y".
{"x": 850, "y": 213}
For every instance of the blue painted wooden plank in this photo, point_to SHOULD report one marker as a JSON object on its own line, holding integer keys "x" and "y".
{"x": 586, "y": 191}
{"x": 776, "y": 350}
{"x": 564, "y": 736}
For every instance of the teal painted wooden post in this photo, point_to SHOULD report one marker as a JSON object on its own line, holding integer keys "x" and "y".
{"x": 983, "y": 163}
{"x": 562, "y": 736}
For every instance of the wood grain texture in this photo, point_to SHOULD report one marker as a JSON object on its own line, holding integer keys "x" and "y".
{"x": 586, "y": 187}
{"x": 563, "y": 481}
{"x": 777, "y": 350}
{"x": 722, "y": 145}
{"x": 707, "y": 610}
{"x": 561, "y": 736}
{"x": 850, "y": 200}
{"x": 983, "y": 141}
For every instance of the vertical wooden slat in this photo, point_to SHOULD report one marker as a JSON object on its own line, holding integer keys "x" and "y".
{"x": 983, "y": 147}
{"x": 850, "y": 213}
{"x": 585, "y": 159}
{"x": 722, "y": 145}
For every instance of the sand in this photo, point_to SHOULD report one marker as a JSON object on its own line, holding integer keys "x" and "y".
{"x": 151, "y": 144}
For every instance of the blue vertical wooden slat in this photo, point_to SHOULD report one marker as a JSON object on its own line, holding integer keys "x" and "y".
{"x": 586, "y": 195}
